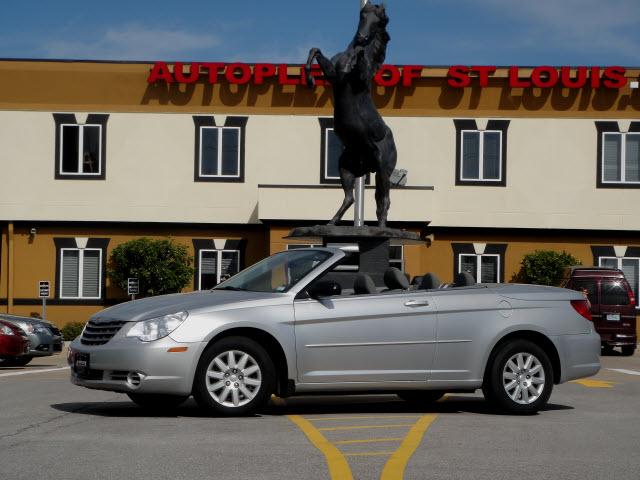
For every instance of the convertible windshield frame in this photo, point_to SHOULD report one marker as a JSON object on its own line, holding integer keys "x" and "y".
{"x": 262, "y": 273}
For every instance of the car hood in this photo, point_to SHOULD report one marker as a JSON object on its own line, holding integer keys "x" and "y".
{"x": 207, "y": 300}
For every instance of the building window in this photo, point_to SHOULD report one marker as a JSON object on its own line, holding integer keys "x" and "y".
{"x": 484, "y": 268}
{"x": 331, "y": 149}
{"x": 215, "y": 266}
{"x": 80, "y": 148}
{"x": 621, "y": 158}
{"x": 481, "y": 155}
{"x": 219, "y": 150}
{"x": 629, "y": 266}
{"x": 396, "y": 257}
{"x": 80, "y": 273}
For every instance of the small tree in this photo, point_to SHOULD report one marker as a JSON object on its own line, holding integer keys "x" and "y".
{"x": 545, "y": 267}
{"x": 160, "y": 266}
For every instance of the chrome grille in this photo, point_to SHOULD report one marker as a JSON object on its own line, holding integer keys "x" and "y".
{"x": 100, "y": 333}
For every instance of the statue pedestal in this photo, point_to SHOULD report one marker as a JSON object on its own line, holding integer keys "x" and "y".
{"x": 370, "y": 248}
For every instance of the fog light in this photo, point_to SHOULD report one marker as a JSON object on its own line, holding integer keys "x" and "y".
{"x": 134, "y": 379}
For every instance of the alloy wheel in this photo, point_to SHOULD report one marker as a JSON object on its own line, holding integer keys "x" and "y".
{"x": 233, "y": 378}
{"x": 523, "y": 378}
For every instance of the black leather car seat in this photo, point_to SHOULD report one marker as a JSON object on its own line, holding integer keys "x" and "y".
{"x": 363, "y": 285}
{"x": 430, "y": 281}
{"x": 464, "y": 279}
{"x": 394, "y": 279}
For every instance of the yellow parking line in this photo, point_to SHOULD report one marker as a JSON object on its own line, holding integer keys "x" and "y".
{"x": 369, "y": 440}
{"x": 395, "y": 466}
{"x": 362, "y": 427}
{"x": 336, "y": 461}
{"x": 594, "y": 383}
{"x": 368, "y": 454}
{"x": 322, "y": 419}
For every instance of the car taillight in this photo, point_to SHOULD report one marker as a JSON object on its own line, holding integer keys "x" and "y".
{"x": 632, "y": 298}
{"x": 583, "y": 307}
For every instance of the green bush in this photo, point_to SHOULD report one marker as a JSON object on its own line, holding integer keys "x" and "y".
{"x": 72, "y": 330}
{"x": 545, "y": 267}
{"x": 160, "y": 266}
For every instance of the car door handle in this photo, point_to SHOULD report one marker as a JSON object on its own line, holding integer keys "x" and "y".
{"x": 417, "y": 303}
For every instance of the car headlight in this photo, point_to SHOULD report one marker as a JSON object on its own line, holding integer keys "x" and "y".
{"x": 157, "y": 328}
{"x": 6, "y": 330}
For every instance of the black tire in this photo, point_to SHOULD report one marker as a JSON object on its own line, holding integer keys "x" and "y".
{"x": 157, "y": 401}
{"x": 261, "y": 393}
{"x": 421, "y": 397}
{"x": 628, "y": 350}
{"x": 607, "y": 350}
{"x": 495, "y": 390}
{"x": 16, "y": 361}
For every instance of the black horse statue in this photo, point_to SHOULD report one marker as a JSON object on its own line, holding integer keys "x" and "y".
{"x": 368, "y": 141}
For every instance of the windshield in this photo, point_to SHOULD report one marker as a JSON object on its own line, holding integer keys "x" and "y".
{"x": 277, "y": 273}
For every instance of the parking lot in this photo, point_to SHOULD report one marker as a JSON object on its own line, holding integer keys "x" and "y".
{"x": 51, "y": 429}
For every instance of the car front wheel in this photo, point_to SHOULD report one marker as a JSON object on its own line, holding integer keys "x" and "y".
{"x": 520, "y": 378}
{"x": 235, "y": 376}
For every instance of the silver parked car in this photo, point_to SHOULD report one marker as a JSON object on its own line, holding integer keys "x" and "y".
{"x": 281, "y": 326}
{"x": 45, "y": 338}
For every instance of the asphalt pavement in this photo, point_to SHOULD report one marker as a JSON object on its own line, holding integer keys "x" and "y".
{"x": 50, "y": 429}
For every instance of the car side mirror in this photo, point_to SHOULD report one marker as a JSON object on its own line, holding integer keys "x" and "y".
{"x": 324, "y": 288}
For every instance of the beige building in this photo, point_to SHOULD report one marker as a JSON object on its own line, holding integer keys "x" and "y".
{"x": 93, "y": 155}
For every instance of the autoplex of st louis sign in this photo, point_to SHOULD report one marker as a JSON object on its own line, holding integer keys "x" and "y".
{"x": 458, "y": 76}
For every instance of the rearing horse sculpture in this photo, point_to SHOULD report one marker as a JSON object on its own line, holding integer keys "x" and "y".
{"x": 368, "y": 141}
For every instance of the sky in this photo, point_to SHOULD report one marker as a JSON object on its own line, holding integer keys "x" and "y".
{"x": 423, "y": 32}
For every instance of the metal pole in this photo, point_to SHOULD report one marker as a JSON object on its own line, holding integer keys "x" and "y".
{"x": 44, "y": 308}
{"x": 358, "y": 191}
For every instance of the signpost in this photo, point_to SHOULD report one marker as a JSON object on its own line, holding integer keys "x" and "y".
{"x": 44, "y": 289}
{"x": 133, "y": 287}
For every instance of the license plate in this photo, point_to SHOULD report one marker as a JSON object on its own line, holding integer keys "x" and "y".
{"x": 81, "y": 362}
{"x": 613, "y": 317}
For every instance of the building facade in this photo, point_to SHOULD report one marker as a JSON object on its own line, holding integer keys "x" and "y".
{"x": 93, "y": 154}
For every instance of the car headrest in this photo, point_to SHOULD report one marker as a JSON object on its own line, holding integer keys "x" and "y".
{"x": 464, "y": 279}
{"x": 363, "y": 285}
{"x": 394, "y": 279}
{"x": 417, "y": 280}
{"x": 430, "y": 282}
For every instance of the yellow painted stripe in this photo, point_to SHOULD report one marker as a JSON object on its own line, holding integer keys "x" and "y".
{"x": 361, "y": 427}
{"x": 322, "y": 419}
{"x": 368, "y": 454}
{"x": 336, "y": 461}
{"x": 369, "y": 440}
{"x": 594, "y": 383}
{"x": 395, "y": 466}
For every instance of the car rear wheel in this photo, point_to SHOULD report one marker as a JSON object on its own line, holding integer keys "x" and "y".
{"x": 520, "y": 378}
{"x": 421, "y": 397}
{"x": 235, "y": 376}
{"x": 628, "y": 350}
{"x": 157, "y": 401}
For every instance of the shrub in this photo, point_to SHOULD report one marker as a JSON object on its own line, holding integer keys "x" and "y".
{"x": 72, "y": 330}
{"x": 160, "y": 266}
{"x": 545, "y": 267}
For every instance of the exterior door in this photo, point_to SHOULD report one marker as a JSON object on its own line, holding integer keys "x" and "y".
{"x": 365, "y": 338}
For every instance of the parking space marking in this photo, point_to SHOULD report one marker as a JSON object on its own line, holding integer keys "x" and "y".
{"x": 337, "y": 460}
{"x": 622, "y": 370}
{"x": 395, "y": 466}
{"x": 594, "y": 383}
{"x": 27, "y": 372}
{"x": 338, "y": 466}
{"x": 365, "y": 427}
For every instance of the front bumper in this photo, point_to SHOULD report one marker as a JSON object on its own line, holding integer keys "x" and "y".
{"x": 579, "y": 355}
{"x": 128, "y": 365}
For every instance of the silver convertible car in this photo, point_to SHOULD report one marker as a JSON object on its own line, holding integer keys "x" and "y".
{"x": 284, "y": 327}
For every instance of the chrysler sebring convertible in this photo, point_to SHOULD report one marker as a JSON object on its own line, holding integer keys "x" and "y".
{"x": 285, "y": 326}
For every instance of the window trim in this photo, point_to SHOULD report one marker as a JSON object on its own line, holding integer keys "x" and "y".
{"x": 219, "y": 160}
{"x": 325, "y": 164}
{"x": 479, "y": 264}
{"x": 69, "y": 119}
{"x": 492, "y": 125}
{"x": 481, "y": 157}
{"x": 402, "y": 259}
{"x": 326, "y": 123}
{"x": 81, "y": 127}
{"x": 622, "y": 160}
{"x": 80, "y": 273}
{"x": 218, "y": 263}
{"x": 230, "y": 122}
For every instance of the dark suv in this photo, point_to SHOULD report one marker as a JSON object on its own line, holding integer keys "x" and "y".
{"x": 613, "y": 304}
